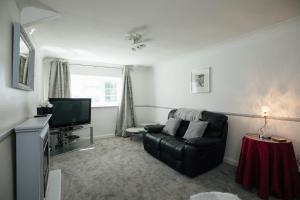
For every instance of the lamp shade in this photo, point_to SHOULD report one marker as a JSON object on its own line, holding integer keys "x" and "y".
{"x": 265, "y": 110}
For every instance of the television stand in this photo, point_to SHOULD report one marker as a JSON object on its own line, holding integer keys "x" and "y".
{"x": 63, "y": 139}
{"x": 71, "y": 128}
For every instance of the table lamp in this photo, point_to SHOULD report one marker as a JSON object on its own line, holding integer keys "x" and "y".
{"x": 265, "y": 113}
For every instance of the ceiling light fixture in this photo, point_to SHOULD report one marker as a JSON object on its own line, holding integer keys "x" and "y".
{"x": 32, "y": 31}
{"x": 138, "y": 42}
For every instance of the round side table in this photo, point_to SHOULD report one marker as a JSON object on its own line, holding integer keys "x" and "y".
{"x": 269, "y": 166}
{"x": 134, "y": 131}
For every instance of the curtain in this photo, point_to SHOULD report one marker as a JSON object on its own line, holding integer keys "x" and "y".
{"x": 126, "y": 112}
{"x": 59, "y": 80}
{"x": 23, "y": 69}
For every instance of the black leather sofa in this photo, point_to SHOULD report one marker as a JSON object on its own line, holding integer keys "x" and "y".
{"x": 194, "y": 156}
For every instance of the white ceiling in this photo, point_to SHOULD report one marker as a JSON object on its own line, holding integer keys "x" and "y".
{"x": 94, "y": 30}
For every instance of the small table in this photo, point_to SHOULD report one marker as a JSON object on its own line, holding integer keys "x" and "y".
{"x": 270, "y": 166}
{"x": 134, "y": 131}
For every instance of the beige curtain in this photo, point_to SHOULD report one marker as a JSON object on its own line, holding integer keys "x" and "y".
{"x": 126, "y": 112}
{"x": 59, "y": 80}
{"x": 23, "y": 69}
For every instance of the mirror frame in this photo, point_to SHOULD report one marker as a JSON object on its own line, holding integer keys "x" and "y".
{"x": 18, "y": 32}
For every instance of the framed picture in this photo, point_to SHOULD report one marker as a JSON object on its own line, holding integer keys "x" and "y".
{"x": 200, "y": 81}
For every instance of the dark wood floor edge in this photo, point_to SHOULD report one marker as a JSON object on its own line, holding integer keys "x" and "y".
{"x": 292, "y": 119}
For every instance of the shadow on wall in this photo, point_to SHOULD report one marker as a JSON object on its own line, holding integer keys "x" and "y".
{"x": 282, "y": 99}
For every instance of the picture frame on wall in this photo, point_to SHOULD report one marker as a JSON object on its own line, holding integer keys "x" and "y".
{"x": 200, "y": 81}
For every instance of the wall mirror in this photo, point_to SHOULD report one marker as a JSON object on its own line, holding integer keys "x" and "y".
{"x": 23, "y": 59}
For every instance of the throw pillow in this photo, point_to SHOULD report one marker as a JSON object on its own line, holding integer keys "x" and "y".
{"x": 195, "y": 129}
{"x": 171, "y": 126}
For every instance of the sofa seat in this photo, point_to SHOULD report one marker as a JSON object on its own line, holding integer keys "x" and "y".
{"x": 152, "y": 143}
{"x": 172, "y": 146}
{"x": 172, "y": 152}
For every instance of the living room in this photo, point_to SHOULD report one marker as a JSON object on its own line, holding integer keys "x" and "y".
{"x": 230, "y": 61}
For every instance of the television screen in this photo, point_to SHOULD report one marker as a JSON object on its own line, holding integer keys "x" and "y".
{"x": 70, "y": 111}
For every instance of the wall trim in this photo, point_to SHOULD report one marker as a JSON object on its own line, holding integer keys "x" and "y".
{"x": 104, "y": 136}
{"x": 5, "y": 134}
{"x": 151, "y": 106}
{"x": 10, "y": 130}
{"x": 293, "y": 119}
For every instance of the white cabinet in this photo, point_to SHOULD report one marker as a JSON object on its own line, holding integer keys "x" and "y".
{"x": 32, "y": 158}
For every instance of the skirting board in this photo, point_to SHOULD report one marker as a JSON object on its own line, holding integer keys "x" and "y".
{"x": 230, "y": 161}
{"x": 104, "y": 136}
{"x": 54, "y": 185}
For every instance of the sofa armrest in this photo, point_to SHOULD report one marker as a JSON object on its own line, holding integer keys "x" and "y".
{"x": 204, "y": 142}
{"x": 154, "y": 128}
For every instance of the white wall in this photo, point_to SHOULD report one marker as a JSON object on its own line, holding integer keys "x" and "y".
{"x": 260, "y": 68}
{"x": 142, "y": 85}
{"x": 15, "y": 105}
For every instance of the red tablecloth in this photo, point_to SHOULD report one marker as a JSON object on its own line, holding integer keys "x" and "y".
{"x": 269, "y": 166}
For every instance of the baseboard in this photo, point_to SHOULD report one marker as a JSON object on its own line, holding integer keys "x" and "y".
{"x": 104, "y": 136}
{"x": 230, "y": 161}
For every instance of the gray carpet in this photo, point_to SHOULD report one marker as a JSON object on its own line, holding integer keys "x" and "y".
{"x": 119, "y": 168}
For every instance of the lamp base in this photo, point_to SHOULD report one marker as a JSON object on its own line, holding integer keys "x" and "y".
{"x": 264, "y": 137}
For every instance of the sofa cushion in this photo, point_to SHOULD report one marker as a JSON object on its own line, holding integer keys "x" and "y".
{"x": 203, "y": 143}
{"x": 172, "y": 146}
{"x": 212, "y": 134}
{"x": 171, "y": 126}
{"x": 155, "y": 137}
{"x": 182, "y": 128}
{"x": 152, "y": 142}
{"x": 195, "y": 129}
{"x": 215, "y": 121}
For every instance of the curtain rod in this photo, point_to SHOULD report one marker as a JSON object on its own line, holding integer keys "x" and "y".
{"x": 53, "y": 58}
{"x": 91, "y": 65}
{"x": 105, "y": 65}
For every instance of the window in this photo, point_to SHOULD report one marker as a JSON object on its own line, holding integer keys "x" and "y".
{"x": 103, "y": 90}
{"x": 111, "y": 91}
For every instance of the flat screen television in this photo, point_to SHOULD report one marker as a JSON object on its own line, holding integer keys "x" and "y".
{"x": 70, "y": 111}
